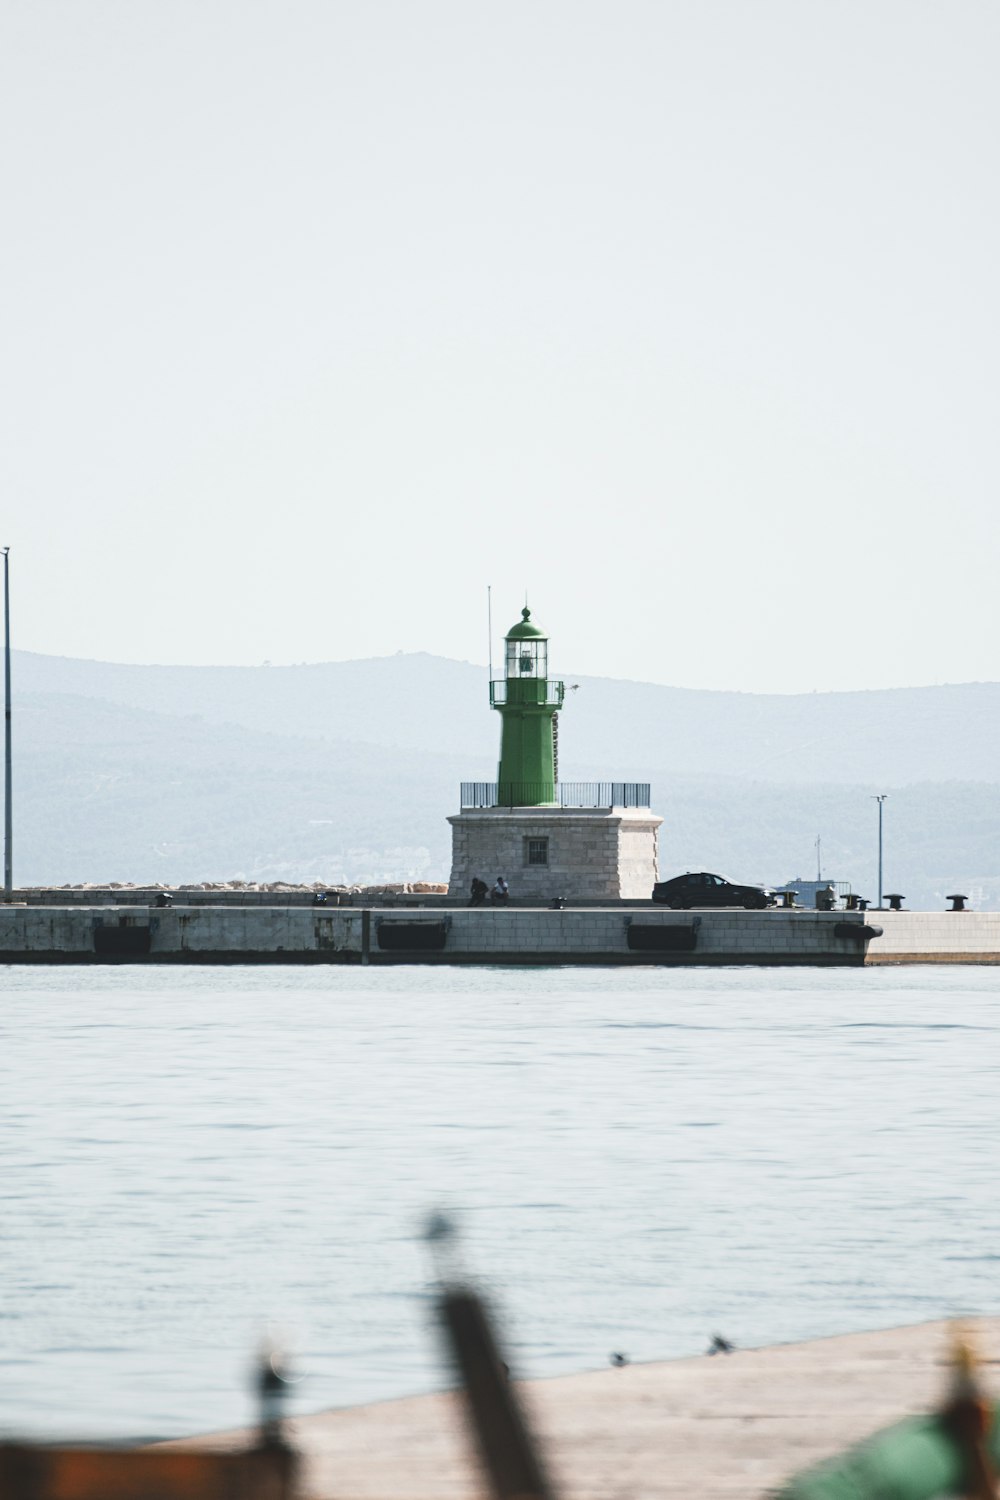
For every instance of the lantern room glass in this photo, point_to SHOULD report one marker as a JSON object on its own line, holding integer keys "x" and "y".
{"x": 528, "y": 658}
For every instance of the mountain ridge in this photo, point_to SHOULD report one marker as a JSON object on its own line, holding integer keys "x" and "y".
{"x": 417, "y": 701}
{"x": 107, "y": 792}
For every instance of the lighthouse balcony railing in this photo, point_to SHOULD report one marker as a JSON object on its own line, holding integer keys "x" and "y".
{"x": 534, "y": 690}
{"x": 590, "y": 794}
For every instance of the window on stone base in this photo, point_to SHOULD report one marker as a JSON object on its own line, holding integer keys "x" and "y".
{"x": 536, "y": 851}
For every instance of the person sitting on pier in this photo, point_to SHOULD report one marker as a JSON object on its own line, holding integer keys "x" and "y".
{"x": 479, "y": 891}
{"x": 500, "y": 892}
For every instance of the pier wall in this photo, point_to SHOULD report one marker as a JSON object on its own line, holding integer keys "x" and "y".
{"x": 936, "y": 937}
{"x": 275, "y": 934}
{"x": 609, "y": 934}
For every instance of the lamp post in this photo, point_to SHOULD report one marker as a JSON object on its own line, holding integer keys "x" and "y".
{"x": 8, "y": 817}
{"x": 880, "y": 798}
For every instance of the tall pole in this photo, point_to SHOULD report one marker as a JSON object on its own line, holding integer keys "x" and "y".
{"x": 8, "y": 812}
{"x": 880, "y": 798}
{"x": 489, "y": 625}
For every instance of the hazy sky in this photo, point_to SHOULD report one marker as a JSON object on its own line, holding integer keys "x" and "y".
{"x": 320, "y": 317}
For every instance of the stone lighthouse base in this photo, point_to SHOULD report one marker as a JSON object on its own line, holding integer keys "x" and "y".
{"x": 580, "y": 853}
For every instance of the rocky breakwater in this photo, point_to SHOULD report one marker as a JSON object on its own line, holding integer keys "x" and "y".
{"x": 223, "y": 892}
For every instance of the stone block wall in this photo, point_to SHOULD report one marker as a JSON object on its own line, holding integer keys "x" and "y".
{"x": 592, "y": 854}
{"x": 501, "y": 935}
{"x": 725, "y": 937}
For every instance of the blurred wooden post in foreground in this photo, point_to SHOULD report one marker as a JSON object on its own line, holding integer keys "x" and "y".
{"x": 509, "y": 1453}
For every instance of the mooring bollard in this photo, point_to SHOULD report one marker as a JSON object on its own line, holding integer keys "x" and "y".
{"x": 787, "y": 899}
{"x": 895, "y": 901}
{"x": 957, "y": 902}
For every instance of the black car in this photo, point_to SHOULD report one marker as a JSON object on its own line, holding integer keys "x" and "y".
{"x": 702, "y": 889}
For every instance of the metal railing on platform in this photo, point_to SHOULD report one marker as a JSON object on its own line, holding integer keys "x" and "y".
{"x": 535, "y": 690}
{"x": 486, "y": 794}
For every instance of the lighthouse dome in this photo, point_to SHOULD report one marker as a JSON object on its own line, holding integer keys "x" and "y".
{"x": 524, "y": 630}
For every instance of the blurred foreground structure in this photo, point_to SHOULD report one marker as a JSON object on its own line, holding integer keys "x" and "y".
{"x": 826, "y": 1412}
{"x": 740, "y": 1424}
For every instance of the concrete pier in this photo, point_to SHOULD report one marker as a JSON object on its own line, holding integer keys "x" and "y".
{"x": 722, "y": 1427}
{"x": 45, "y": 926}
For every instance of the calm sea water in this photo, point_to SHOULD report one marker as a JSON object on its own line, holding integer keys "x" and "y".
{"x": 636, "y": 1158}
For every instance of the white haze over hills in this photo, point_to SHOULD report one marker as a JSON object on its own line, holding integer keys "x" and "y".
{"x": 609, "y": 728}
{"x": 346, "y": 771}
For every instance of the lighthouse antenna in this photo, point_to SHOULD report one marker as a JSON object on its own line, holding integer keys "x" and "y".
{"x": 489, "y": 624}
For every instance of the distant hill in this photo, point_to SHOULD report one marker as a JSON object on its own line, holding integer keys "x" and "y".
{"x": 424, "y": 703}
{"x": 109, "y": 790}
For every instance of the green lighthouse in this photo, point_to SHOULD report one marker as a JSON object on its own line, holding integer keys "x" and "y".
{"x": 549, "y": 840}
{"x": 527, "y": 703}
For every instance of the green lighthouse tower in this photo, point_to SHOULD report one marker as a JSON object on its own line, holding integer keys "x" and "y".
{"x": 527, "y": 703}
